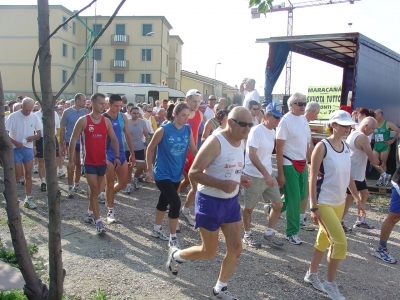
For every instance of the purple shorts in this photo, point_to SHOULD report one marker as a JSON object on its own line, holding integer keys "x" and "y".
{"x": 211, "y": 212}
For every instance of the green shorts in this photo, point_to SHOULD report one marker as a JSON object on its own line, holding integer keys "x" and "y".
{"x": 381, "y": 147}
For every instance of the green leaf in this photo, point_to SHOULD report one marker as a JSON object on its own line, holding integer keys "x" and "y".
{"x": 262, "y": 8}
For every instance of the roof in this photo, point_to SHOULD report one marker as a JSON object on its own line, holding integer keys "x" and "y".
{"x": 227, "y": 87}
{"x": 200, "y": 78}
{"x": 177, "y": 37}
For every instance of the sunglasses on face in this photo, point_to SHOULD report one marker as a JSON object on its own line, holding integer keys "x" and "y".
{"x": 300, "y": 103}
{"x": 149, "y": 111}
{"x": 243, "y": 124}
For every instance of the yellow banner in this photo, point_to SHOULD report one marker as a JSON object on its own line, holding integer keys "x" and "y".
{"x": 328, "y": 97}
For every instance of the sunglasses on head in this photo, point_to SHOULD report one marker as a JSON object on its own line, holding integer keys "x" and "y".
{"x": 243, "y": 124}
{"x": 300, "y": 103}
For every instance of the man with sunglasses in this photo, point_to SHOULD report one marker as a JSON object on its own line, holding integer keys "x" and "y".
{"x": 293, "y": 138}
{"x": 217, "y": 169}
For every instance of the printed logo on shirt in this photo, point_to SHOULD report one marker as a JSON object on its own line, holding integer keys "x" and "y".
{"x": 230, "y": 157}
{"x": 228, "y": 173}
{"x": 227, "y": 166}
{"x": 178, "y": 149}
{"x": 91, "y": 128}
{"x": 238, "y": 171}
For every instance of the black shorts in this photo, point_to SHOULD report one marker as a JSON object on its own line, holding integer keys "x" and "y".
{"x": 96, "y": 170}
{"x": 40, "y": 151}
{"x": 139, "y": 155}
{"x": 361, "y": 185}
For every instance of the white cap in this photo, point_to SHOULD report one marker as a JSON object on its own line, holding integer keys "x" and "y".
{"x": 341, "y": 117}
{"x": 193, "y": 92}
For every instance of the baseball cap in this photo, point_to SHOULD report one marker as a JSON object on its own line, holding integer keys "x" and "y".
{"x": 203, "y": 102}
{"x": 193, "y": 92}
{"x": 341, "y": 117}
{"x": 140, "y": 110}
{"x": 275, "y": 109}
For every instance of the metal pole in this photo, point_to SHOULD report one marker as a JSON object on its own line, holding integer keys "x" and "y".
{"x": 215, "y": 77}
{"x": 145, "y": 60}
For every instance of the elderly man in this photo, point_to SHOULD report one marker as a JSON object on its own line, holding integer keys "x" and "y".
{"x": 251, "y": 94}
{"x": 293, "y": 138}
{"x": 218, "y": 170}
{"x": 24, "y": 127}
{"x": 209, "y": 113}
{"x": 223, "y": 101}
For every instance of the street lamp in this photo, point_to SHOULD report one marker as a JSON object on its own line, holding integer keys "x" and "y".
{"x": 215, "y": 78}
{"x": 145, "y": 57}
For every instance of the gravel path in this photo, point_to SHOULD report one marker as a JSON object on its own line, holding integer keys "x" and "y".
{"x": 127, "y": 263}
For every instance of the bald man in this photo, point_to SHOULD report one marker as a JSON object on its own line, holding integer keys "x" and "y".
{"x": 218, "y": 171}
{"x": 24, "y": 127}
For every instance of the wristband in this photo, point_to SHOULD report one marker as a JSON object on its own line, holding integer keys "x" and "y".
{"x": 314, "y": 209}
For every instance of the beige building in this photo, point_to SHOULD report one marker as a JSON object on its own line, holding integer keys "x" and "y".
{"x": 206, "y": 85}
{"x": 132, "y": 49}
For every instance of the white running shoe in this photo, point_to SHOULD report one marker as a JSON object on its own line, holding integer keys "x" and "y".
{"x": 188, "y": 218}
{"x": 35, "y": 169}
{"x": 29, "y": 203}
{"x": 173, "y": 242}
{"x": 294, "y": 239}
{"x": 332, "y": 290}
{"x": 111, "y": 217}
{"x": 159, "y": 234}
{"x": 100, "y": 228}
{"x": 314, "y": 281}
{"x": 70, "y": 192}
{"x": 172, "y": 265}
{"x": 102, "y": 198}
{"x": 128, "y": 189}
{"x": 61, "y": 173}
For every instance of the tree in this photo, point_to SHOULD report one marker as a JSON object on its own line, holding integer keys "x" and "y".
{"x": 262, "y": 5}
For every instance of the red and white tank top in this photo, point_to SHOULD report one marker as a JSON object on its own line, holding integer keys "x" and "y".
{"x": 95, "y": 137}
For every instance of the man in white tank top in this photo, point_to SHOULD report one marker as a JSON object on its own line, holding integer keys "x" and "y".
{"x": 360, "y": 152}
{"x": 218, "y": 171}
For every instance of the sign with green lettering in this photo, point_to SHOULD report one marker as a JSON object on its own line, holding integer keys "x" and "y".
{"x": 328, "y": 97}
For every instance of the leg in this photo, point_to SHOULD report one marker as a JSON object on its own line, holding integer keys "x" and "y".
{"x": 122, "y": 179}
{"x": 292, "y": 200}
{"x": 208, "y": 248}
{"x": 140, "y": 166}
{"x": 348, "y": 203}
{"x": 364, "y": 194}
{"x": 19, "y": 171}
{"x": 378, "y": 156}
{"x": 28, "y": 177}
{"x": 246, "y": 214}
{"x": 316, "y": 260}
{"x": 110, "y": 177}
{"x": 78, "y": 168}
{"x": 41, "y": 170}
{"x": 387, "y": 226}
{"x": 184, "y": 183}
{"x": 275, "y": 213}
{"x": 94, "y": 182}
{"x": 384, "y": 157}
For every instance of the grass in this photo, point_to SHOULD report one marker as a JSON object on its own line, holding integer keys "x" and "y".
{"x": 12, "y": 295}
{"x": 10, "y": 257}
{"x": 27, "y": 221}
{"x": 380, "y": 201}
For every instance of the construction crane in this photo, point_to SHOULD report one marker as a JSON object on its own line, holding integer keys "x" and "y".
{"x": 282, "y": 7}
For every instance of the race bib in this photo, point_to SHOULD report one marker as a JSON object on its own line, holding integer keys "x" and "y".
{"x": 379, "y": 137}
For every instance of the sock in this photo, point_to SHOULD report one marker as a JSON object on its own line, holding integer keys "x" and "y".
{"x": 111, "y": 210}
{"x": 90, "y": 212}
{"x": 98, "y": 220}
{"x": 76, "y": 184}
{"x": 43, "y": 180}
{"x": 247, "y": 232}
{"x": 177, "y": 256}
{"x": 269, "y": 231}
{"x": 383, "y": 243}
{"x": 383, "y": 174}
{"x": 360, "y": 220}
{"x": 219, "y": 285}
{"x": 185, "y": 210}
{"x": 302, "y": 217}
{"x": 129, "y": 185}
{"x": 157, "y": 228}
{"x": 172, "y": 235}
{"x": 70, "y": 187}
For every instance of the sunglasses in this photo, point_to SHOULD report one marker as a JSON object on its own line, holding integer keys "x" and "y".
{"x": 243, "y": 124}
{"x": 149, "y": 111}
{"x": 300, "y": 103}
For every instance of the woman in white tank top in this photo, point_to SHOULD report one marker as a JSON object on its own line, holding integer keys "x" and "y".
{"x": 330, "y": 176}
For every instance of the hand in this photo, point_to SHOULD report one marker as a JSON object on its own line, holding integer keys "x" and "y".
{"x": 132, "y": 159}
{"x": 34, "y": 152}
{"x": 18, "y": 144}
{"x": 71, "y": 166}
{"x": 30, "y": 139}
{"x": 315, "y": 216}
{"x": 269, "y": 180}
{"x": 62, "y": 151}
{"x": 389, "y": 142}
{"x": 149, "y": 176}
{"x": 229, "y": 186}
{"x": 117, "y": 163}
{"x": 245, "y": 181}
{"x": 281, "y": 180}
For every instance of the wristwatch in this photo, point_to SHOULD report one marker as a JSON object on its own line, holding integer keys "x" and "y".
{"x": 314, "y": 209}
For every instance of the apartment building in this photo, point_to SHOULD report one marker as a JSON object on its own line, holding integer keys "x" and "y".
{"x": 133, "y": 49}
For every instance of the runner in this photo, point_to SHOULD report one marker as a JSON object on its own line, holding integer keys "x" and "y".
{"x": 172, "y": 141}
{"x": 68, "y": 120}
{"x": 218, "y": 170}
{"x": 210, "y": 111}
{"x": 119, "y": 123}
{"x": 330, "y": 175}
{"x": 254, "y": 109}
{"x": 95, "y": 129}
{"x": 212, "y": 123}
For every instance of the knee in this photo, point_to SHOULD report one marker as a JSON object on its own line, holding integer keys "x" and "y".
{"x": 393, "y": 218}
{"x": 174, "y": 207}
{"x": 235, "y": 248}
{"x": 209, "y": 253}
{"x": 28, "y": 175}
{"x": 277, "y": 205}
{"x": 247, "y": 212}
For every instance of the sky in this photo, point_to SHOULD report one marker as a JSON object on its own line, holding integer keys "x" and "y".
{"x": 222, "y": 31}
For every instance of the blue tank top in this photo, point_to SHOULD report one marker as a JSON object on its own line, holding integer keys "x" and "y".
{"x": 171, "y": 152}
{"x": 118, "y": 130}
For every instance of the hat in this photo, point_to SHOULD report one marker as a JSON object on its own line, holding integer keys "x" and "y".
{"x": 275, "y": 109}
{"x": 341, "y": 117}
{"x": 171, "y": 102}
{"x": 212, "y": 98}
{"x": 193, "y": 92}
{"x": 203, "y": 102}
{"x": 140, "y": 110}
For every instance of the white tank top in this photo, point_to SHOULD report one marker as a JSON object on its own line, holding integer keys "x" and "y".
{"x": 228, "y": 165}
{"x": 334, "y": 175}
{"x": 358, "y": 157}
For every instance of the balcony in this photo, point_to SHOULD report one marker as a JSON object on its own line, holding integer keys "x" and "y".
{"x": 119, "y": 39}
{"x": 117, "y": 64}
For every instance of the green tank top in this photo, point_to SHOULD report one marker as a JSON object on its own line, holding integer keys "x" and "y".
{"x": 214, "y": 123}
{"x": 381, "y": 134}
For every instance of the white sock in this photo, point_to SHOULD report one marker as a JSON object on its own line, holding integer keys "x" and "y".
{"x": 157, "y": 227}
{"x": 269, "y": 231}
{"x": 247, "y": 232}
{"x": 219, "y": 286}
{"x": 90, "y": 212}
{"x": 177, "y": 256}
{"x": 302, "y": 217}
{"x": 98, "y": 220}
{"x": 43, "y": 180}
{"x": 111, "y": 210}
{"x": 172, "y": 235}
{"x": 185, "y": 210}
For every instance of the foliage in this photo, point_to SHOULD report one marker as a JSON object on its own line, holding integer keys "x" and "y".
{"x": 262, "y": 5}
{"x": 13, "y": 295}
{"x": 10, "y": 257}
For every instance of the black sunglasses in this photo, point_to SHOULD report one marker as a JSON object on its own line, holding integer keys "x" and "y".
{"x": 300, "y": 103}
{"x": 243, "y": 124}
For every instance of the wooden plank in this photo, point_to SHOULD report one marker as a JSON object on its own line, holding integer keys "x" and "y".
{"x": 382, "y": 190}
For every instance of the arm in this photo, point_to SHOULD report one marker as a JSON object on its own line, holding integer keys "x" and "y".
{"x": 255, "y": 160}
{"x": 79, "y": 127}
{"x": 34, "y": 137}
{"x": 151, "y": 148}
{"x": 279, "y": 161}
{"x": 316, "y": 160}
{"x": 208, "y": 129}
{"x": 362, "y": 143}
{"x": 393, "y": 127}
{"x": 145, "y": 131}
{"x": 114, "y": 141}
{"x": 192, "y": 145}
{"x": 129, "y": 141}
{"x": 62, "y": 140}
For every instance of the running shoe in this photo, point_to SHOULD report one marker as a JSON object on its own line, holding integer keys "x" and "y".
{"x": 100, "y": 228}
{"x": 77, "y": 188}
{"x": 380, "y": 181}
{"x": 273, "y": 240}
{"x": 61, "y": 173}
{"x": 294, "y": 239}
{"x": 267, "y": 209}
{"x": 222, "y": 295}
{"x": 314, "y": 281}
{"x": 386, "y": 181}
{"x": 111, "y": 217}
{"x": 347, "y": 230}
{"x": 22, "y": 180}
{"x": 308, "y": 226}
{"x": 128, "y": 189}
{"x": 173, "y": 242}
{"x": 172, "y": 265}
{"x": 70, "y": 192}
{"x": 184, "y": 192}
{"x": 35, "y": 169}
{"x": 332, "y": 290}
{"x": 362, "y": 226}
{"x": 187, "y": 217}
{"x": 383, "y": 253}
{"x": 159, "y": 234}
{"x": 249, "y": 240}
{"x": 89, "y": 218}
{"x": 28, "y": 203}
{"x": 135, "y": 184}
{"x": 43, "y": 187}
{"x": 142, "y": 177}
{"x": 102, "y": 198}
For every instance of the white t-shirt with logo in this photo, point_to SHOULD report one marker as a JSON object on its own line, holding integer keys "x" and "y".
{"x": 253, "y": 95}
{"x": 263, "y": 139}
{"x": 56, "y": 119}
{"x": 20, "y": 127}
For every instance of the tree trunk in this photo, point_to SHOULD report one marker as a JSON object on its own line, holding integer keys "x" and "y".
{"x": 34, "y": 288}
{"x": 49, "y": 147}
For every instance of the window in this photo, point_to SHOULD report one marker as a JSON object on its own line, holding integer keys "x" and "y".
{"x": 168, "y": 37}
{"x": 73, "y": 27}
{"x": 119, "y": 78}
{"x": 120, "y": 29}
{"x": 146, "y": 55}
{"x": 119, "y": 54}
{"x": 73, "y": 53}
{"x": 73, "y": 80}
{"x": 148, "y": 78}
{"x": 98, "y": 77}
{"x": 64, "y": 50}
{"x": 176, "y": 47}
{"x": 146, "y": 28}
{"x": 64, "y": 76}
{"x": 97, "y": 28}
{"x": 167, "y": 60}
{"x": 97, "y": 54}
{"x": 65, "y": 27}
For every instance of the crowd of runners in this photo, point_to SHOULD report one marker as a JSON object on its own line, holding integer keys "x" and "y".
{"x": 215, "y": 153}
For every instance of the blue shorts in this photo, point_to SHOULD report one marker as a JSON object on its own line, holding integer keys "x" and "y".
{"x": 96, "y": 170}
{"x": 111, "y": 158}
{"x": 212, "y": 212}
{"x": 77, "y": 146}
{"x": 394, "y": 202}
{"x": 23, "y": 155}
